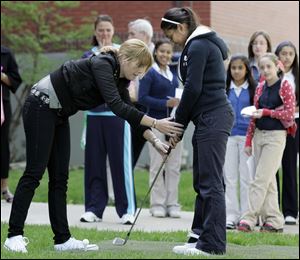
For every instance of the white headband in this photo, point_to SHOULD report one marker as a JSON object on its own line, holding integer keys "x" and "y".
{"x": 169, "y": 21}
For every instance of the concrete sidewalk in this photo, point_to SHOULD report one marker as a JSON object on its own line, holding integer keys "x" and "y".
{"x": 38, "y": 214}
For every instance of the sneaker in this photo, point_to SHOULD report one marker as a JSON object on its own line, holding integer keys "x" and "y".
{"x": 173, "y": 211}
{"x": 289, "y": 220}
{"x": 195, "y": 251}
{"x": 158, "y": 212}
{"x": 89, "y": 217}
{"x": 230, "y": 225}
{"x": 269, "y": 228}
{"x": 244, "y": 226}
{"x": 16, "y": 244}
{"x": 76, "y": 245}
{"x": 7, "y": 196}
{"x": 180, "y": 250}
{"x": 127, "y": 219}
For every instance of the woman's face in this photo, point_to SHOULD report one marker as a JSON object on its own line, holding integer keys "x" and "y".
{"x": 130, "y": 70}
{"x": 164, "y": 54}
{"x": 259, "y": 46}
{"x": 178, "y": 35}
{"x": 287, "y": 56}
{"x": 238, "y": 71}
{"x": 104, "y": 33}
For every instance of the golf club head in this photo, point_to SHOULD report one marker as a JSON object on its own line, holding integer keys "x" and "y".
{"x": 119, "y": 241}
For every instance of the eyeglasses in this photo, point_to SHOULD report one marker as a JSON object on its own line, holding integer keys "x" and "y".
{"x": 169, "y": 21}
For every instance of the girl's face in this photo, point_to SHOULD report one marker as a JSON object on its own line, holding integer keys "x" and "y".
{"x": 164, "y": 54}
{"x": 130, "y": 70}
{"x": 259, "y": 46}
{"x": 238, "y": 71}
{"x": 104, "y": 33}
{"x": 287, "y": 56}
{"x": 268, "y": 69}
{"x": 178, "y": 35}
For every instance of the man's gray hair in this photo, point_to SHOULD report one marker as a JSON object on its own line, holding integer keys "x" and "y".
{"x": 142, "y": 25}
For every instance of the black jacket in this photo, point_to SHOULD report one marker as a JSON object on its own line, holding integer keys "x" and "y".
{"x": 10, "y": 68}
{"x": 202, "y": 72}
{"x": 86, "y": 83}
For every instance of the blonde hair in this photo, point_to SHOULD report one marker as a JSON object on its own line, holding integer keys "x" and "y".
{"x": 137, "y": 51}
{"x": 271, "y": 56}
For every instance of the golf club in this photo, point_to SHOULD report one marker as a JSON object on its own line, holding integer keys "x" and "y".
{"x": 120, "y": 241}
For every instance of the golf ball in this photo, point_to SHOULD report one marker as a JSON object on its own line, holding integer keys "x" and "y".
{"x": 85, "y": 241}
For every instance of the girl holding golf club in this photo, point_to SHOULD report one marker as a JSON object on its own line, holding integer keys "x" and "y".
{"x": 204, "y": 102}
{"x": 76, "y": 85}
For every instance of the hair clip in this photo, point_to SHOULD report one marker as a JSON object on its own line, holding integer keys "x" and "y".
{"x": 169, "y": 21}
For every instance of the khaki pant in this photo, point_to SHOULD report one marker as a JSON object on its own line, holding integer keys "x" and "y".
{"x": 268, "y": 147}
{"x": 165, "y": 190}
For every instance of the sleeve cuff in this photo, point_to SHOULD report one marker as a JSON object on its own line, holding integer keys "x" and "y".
{"x": 266, "y": 112}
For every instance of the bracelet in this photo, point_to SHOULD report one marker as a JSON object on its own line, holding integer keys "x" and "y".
{"x": 154, "y": 123}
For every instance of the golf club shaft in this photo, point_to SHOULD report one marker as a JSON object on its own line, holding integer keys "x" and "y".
{"x": 149, "y": 190}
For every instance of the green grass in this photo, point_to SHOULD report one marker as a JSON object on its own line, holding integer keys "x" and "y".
{"x": 142, "y": 245}
{"x": 154, "y": 245}
{"x": 76, "y": 187}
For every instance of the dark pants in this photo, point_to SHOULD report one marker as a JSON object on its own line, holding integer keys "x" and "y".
{"x": 47, "y": 145}
{"x": 108, "y": 135}
{"x": 5, "y": 152}
{"x": 209, "y": 143}
{"x": 289, "y": 176}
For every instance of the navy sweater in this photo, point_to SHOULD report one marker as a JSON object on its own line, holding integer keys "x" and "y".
{"x": 203, "y": 75}
{"x": 154, "y": 91}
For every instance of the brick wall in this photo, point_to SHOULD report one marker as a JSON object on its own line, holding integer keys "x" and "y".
{"x": 235, "y": 21}
{"x": 123, "y": 12}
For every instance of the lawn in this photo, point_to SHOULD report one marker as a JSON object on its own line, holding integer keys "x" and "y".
{"x": 154, "y": 245}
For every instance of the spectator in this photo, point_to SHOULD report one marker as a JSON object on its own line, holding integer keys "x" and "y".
{"x": 259, "y": 44}
{"x": 10, "y": 81}
{"x": 107, "y": 134}
{"x": 240, "y": 88}
{"x": 76, "y": 85}
{"x": 204, "y": 102}
{"x": 274, "y": 118}
{"x": 287, "y": 53}
{"x": 139, "y": 29}
{"x": 157, "y": 94}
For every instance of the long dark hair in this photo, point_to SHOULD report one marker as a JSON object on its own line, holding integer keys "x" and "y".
{"x": 180, "y": 15}
{"x": 295, "y": 64}
{"x": 248, "y": 76}
{"x": 99, "y": 19}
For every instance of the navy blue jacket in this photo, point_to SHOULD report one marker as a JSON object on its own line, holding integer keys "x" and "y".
{"x": 203, "y": 75}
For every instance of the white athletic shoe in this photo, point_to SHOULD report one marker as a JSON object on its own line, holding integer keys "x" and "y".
{"x": 89, "y": 217}
{"x": 195, "y": 251}
{"x": 289, "y": 220}
{"x": 180, "y": 250}
{"x": 127, "y": 219}
{"x": 76, "y": 245}
{"x": 16, "y": 244}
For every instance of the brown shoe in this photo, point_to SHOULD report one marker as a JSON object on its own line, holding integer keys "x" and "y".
{"x": 269, "y": 228}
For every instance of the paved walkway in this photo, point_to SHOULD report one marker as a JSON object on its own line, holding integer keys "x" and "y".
{"x": 38, "y": 214}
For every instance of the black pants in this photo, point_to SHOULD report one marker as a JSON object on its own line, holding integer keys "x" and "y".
{"x": 47, "y": 145}
{"x": 209, "y": 143}
{"x": 5, "y": 152}
{"x": 289, "y": 176}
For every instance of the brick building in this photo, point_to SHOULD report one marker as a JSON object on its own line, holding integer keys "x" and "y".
{"x": 235, "y": 21}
